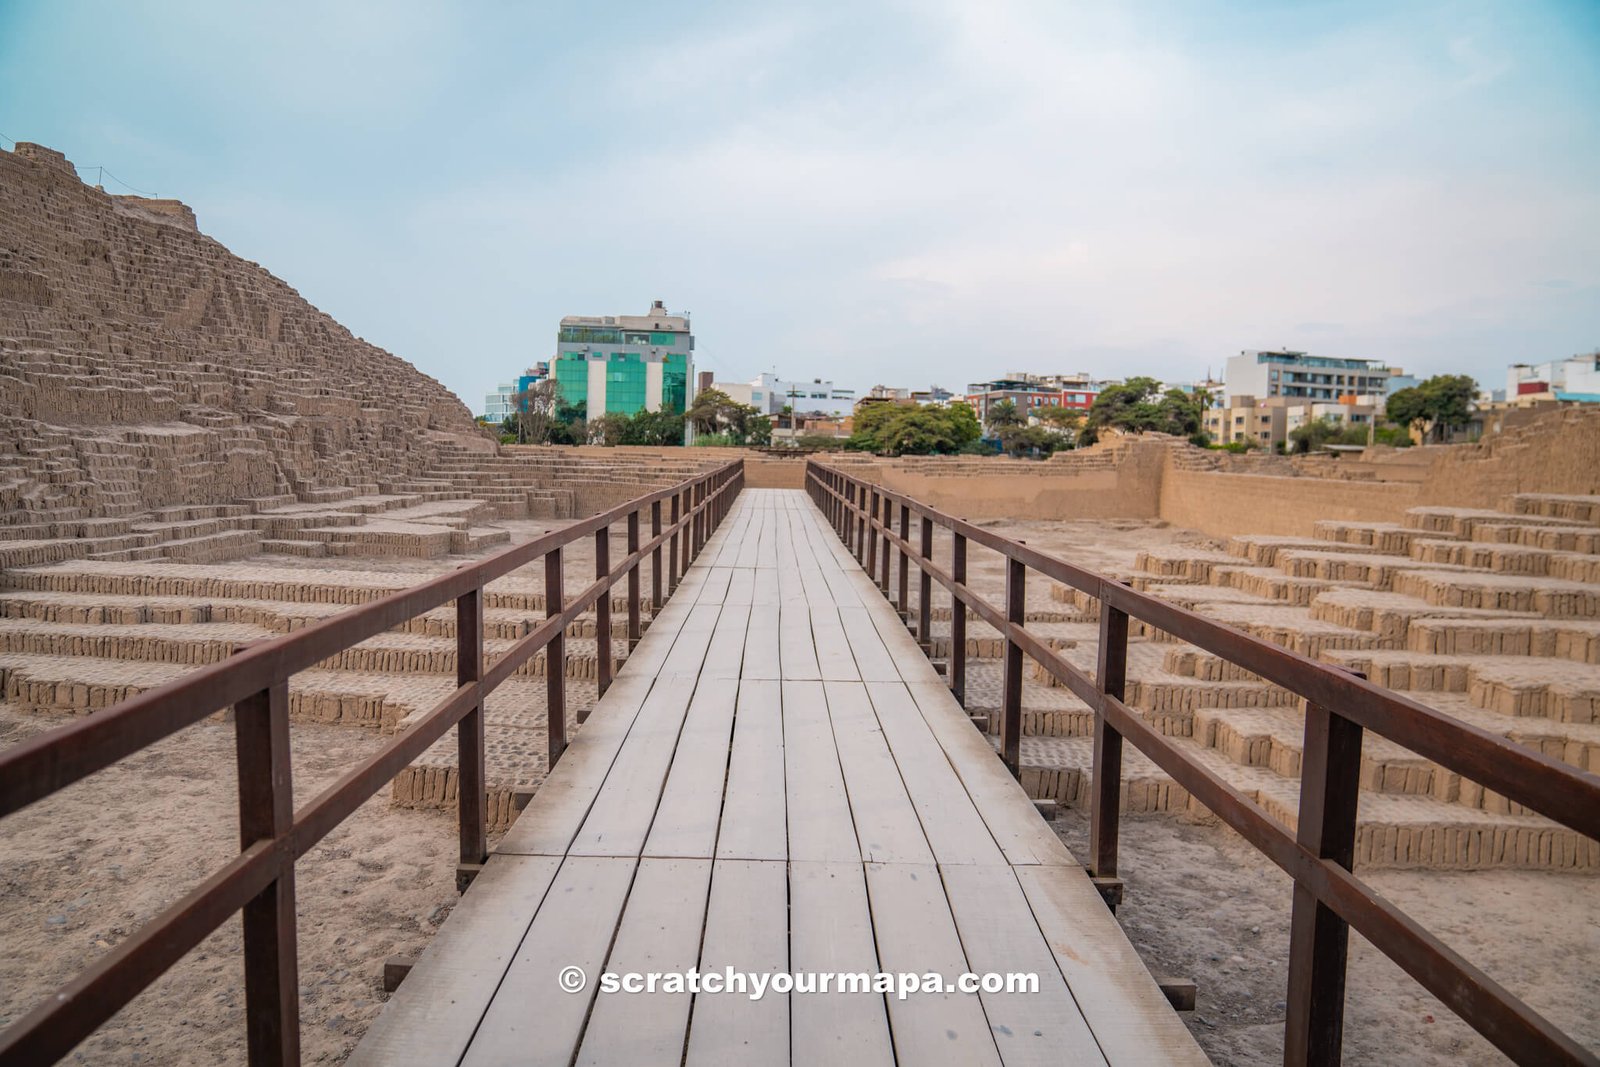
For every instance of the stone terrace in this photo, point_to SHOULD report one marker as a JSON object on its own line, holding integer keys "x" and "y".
{"x": 1492, "y": 616}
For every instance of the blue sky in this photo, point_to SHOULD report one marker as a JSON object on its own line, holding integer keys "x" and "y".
{"x": 902, "y": 193}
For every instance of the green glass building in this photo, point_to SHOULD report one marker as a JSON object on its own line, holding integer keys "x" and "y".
{"x": 625, "y": 363}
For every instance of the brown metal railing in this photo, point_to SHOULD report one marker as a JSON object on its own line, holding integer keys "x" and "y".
{"x": 255, "y": 683}
{"x": 1340, "y": 706}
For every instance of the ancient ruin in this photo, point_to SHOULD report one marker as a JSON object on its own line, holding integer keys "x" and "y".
{"x": 193, "y": 459}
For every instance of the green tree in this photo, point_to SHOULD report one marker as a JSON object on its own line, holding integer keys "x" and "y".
{"x": 1435, "y": 407}
{"x": 914, "y": 429}
{"x": 1004, "y": 416}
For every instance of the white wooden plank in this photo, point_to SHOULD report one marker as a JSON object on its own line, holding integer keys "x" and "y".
{"x": 694, "y": 636}
{"x": 747, "y": 929}
{"x": 797, "y": 650}
{"x": 830, "y": 931}
{"x": 872, "y": 659}
{"x": 726, "y": 651}
{"x": 1031, "y": 1028}
{"x": 714, "y": 586}
{"x": 691, "y": 803}
{"x": 887, "y": 829}
{"x": 431, "y": 1018}
{"x": 532, "y": 1020}
{"x": 820, "y": 827}
{"x": 767, "y": 593}
{"x": 1004, "y": 806}
{"x": 552, "y": 818}
{"x": 916, "y": 934}
{"x": 660, "y": 933}
{"x": 753, "y": 814}
{"x": 741, "y": 587}
{"x": 1131, "y": 1019}
{"x": 625, "y": 803}
{"x": 833, "y": 647}
{"x": 955, "y": 831}
{"x": 762, "y": 648}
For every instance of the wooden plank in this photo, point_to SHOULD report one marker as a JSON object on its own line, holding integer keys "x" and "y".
{"x": 872, "y": 658}
{"x": 660, "y": 933}
{"x": 714, "y": 587}
{"x": 750, "y": 543}
{"x": 762, "y": 647}
{"x": 1131, "y": 1019}
{"x": 532, "y": 1020}
{"x": 833, "y": 647}
{"x": 916, "y": 934}
{"x": 820, "y": 827}
{"x": 726, "y": 651}
{"x": 694, "y": 636}
{"x": 741, "y": 587}
{"x": 1004, "y": 806}
{"x": 955, "y": 831}
{"x": 797, "y": 651}
{"x": 767, "y": 592}
{"x": 625, "y": 802}
{"x": 909, "y": 659}
{"x": 753, "y": 813}
{"x": 830, "y": 930}
{"x": 747, "y": 929}
{"x": 1031, "y": 1028}
{"x": 887, "y": 829}
{"x": 691, "y": 803}
{"x": 432, "y": 1016}
{"x": 552, "y": 818}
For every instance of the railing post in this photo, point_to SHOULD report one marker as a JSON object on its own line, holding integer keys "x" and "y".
{"x": 925, "y": 588}
{"x": 886, "y": 517}
{"x": 633, "y": 581}
{"x": 1011, "y": 681}
{"x": 266, "y": 811}
{"x": 861, "y": 527}
{"x": 602, "y": 614}
{"x": 688, "y": 532}
{"x": 672, "y": 550}
{"x": 655, "y": 560}
{"x": 958, "y": 620}
{"x": 904, "y": 605}
{"x": 1319, "y": 940}
{"x": 471, "y": 789}
{"x": 1111, "y": 676}
{"x": 872, "y": 535}
{"x": 555, "y": 659}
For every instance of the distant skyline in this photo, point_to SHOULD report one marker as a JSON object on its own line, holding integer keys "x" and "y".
{"x": 888, "y": 193}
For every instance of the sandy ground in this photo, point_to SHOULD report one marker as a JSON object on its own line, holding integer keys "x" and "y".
{"x": 1202, "y": 904}
{"x": 145, "y": 831}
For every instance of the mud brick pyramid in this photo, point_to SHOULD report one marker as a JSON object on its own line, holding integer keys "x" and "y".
{"x": 192, "y": 458}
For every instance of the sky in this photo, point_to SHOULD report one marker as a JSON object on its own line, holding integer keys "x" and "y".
{"x": 909, "y": 194}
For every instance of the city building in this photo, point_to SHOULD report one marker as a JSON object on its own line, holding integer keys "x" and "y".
{"x": 1026, "y": 392}
{"x": 1268, "y": 421}
{"x": 804, "y": 397}
{"x": 625, "y": 363}
{"x": 1574, "y": 379}
{"x": 501, "y": 404}
{"x": 1299, "y": 376}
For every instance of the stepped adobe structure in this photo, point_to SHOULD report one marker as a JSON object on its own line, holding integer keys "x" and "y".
{"x": 193, "y": 458}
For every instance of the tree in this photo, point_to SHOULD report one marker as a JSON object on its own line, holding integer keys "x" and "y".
{"x": 1031, "y": 440}
{"x": 705, "y": 414}
{"x": 1139, "y": 406}
{"x": 536, "y": 413}
{"x": 1438, "y": 405}
{"x": 914, "y": 429}
{"x": 1004, "y": 416}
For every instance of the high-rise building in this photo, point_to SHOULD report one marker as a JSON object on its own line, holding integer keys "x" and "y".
{"x": 625, "y": 363}
{"x": 1300, "y": 376}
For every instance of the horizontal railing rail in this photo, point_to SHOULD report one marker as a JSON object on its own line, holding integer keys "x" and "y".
{"x": 1340, "y": 706}
{"x": 259, "y": 881}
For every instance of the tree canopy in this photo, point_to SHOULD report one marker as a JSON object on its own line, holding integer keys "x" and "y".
{"x": 1438, "y": 405}
{"x": 914, "y": 429}
{"x": 1138, "y": 406}
{"x": 719, "y": 419}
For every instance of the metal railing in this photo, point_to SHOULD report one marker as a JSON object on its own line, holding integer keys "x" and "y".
{"x": 1340, "y": 706}
{"x": 273, "y": 835}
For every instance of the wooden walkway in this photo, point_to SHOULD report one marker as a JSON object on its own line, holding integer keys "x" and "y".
{"x": 778, "y": 781}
